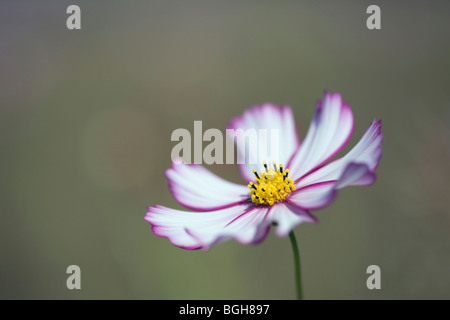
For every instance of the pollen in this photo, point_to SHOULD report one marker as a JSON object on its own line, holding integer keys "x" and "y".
{"x": 271, "y": 185}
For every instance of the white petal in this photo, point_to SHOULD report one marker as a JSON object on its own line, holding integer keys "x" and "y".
{"x": 201, "y": 230}
{"x": 356, "y": 174}
{"x": 314, "y": 196}
{"x": 287, "y": 217}
{"x": 329, "y": 132}
{"x": 318, "y": 189}
{"x": 197, "y": 188}
{"x": 249, "y": 227}
{"x": 268, "y": 117}
{"x": 367, "y": 153}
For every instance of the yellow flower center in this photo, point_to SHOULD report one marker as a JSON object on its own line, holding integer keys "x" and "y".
{"x": 271, "y": 185}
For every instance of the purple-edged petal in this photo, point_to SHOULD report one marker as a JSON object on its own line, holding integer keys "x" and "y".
{"x": 318, "y": 189}
{"x": 249, "y": 227}
{"x": 266, "y": 117}
{"x": 201, "y": 230}
{"x": 356, "y": 174}
{"x": 366, "y": 153}
{"x": 329, "y": 132}
{"x": 321, "y": 194}
{"x": 197, "y": 188}
{"x": 314, "y": 196}
{"x": 287, "y": 216}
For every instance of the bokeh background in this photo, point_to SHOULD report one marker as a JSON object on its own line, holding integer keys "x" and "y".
{"x": 86, "y": 118}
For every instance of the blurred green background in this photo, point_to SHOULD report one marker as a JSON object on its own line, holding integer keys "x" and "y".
{"x": 86, "y": 118}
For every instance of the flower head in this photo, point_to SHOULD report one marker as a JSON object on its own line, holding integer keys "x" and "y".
{"x": 282, "y": 191}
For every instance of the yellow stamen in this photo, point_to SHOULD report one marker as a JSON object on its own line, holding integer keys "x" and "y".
{"x": 271, "y": 185}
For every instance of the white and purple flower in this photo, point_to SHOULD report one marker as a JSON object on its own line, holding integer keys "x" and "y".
{"x": 275, "y": 195}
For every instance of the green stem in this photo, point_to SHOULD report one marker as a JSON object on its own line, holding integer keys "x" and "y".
{"x": 296, "y": 265}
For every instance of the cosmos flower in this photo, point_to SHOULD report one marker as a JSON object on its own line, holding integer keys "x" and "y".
{"x": 280, "y": 192}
